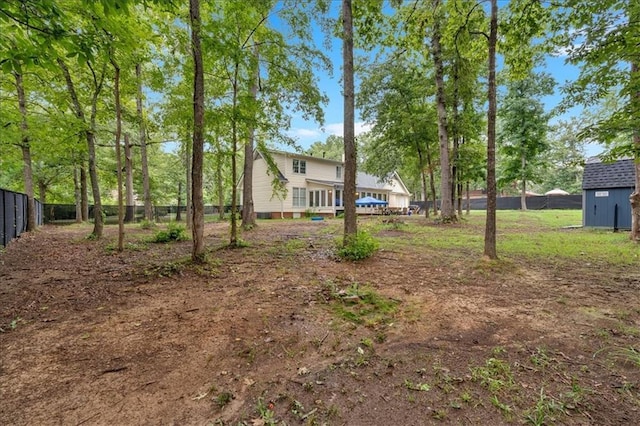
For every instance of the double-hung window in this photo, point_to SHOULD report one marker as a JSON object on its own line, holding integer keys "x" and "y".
{"x": 299, "y": 197}
{"x": 299, "y": 166}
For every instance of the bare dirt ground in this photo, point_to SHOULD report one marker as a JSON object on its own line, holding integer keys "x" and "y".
{"x": 281, "y": 331}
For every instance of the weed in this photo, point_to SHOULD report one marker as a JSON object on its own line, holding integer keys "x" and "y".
{"x": 506, "y": 410}
{"x": 540, "y": 358}
{"x": 366, "y": 342}
{"x": 265, "y": 411}
{"x": 627, "y": 355}
{"x": 362, "y": 305}
{"x": 359, "y": 247}
{"x": 498, "y": 350}
{"x": 466, "y": 397}
{"x": 423, "y": 387}
{"x": 223, "y": 399}
{"x": 13, "y": 324}
{"x": 147, "y": 224}
{"x": 495, "y": 375}
{"x": 545, "y": 407}
{"x": 174, "y": 232}
{"x": 439, "y": 414}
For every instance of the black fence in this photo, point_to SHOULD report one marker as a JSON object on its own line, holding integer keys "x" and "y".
{"x": 13, "y": 215}
{"x": 61, "y": 213}
{"x": 543, "y": 202}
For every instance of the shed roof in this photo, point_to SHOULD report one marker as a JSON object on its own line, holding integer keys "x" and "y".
{"x": 597, "y": 174}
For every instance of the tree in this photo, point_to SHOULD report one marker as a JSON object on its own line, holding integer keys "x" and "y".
{"x": 602, "y": 37}
{"x": 198, "y": 253}
{"x": 350, "y": 220}
{"x": 522, "y": 137}
{"x": 446, "y": 208}
{"x": 331, "y": 149}
{"x": 490, "y": 250}
{"x": 565, "y": 157}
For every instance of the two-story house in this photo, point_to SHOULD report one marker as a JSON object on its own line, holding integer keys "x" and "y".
{"x": 315, "y": 185}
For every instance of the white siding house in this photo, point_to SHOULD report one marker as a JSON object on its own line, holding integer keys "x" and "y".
{"x": 315, "y": 185}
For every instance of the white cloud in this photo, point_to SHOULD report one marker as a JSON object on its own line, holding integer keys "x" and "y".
{"x": 304, "y": 133}
{"x": 338, "y": 128}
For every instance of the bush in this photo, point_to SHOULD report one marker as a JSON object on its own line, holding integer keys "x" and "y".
{"x": 174, "y": 232}
{"x": 147, "y": 224}
{"x": 360, "y": 247}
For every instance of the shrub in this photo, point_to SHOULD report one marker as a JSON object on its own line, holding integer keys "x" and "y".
{"x": 147, "y": 224}
{"x": 174, "y": 232}
{"x": 360, "y": 247}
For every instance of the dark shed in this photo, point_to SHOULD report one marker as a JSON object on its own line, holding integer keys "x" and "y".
{"x": 606, "y": 189}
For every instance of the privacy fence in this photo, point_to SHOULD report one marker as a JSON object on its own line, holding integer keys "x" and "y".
{"x": 13, "y": 215}
{"x": 60, "y": 213}
{"x": 543, "y": 202}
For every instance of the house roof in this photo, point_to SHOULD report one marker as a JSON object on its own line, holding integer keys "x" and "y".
{"x": 597, "y": 174}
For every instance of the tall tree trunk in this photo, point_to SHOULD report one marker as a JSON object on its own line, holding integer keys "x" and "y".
{"x": 490, "y": 224}
{"x": 248, "y": 216}
{"x": 89, "y": 133}
{"x": 468, "y": 199}
{"x": 25, "y": 145}
{"x": 220, "y": 188}
{"x": 432, "y": 183}
{"x": 446, "y": 207}
{"x": 128, "y": 182}
{"x": 456, "y": 138}
{"x": 423, "y": 181}
{"x": 84, "y": 196}
{"x": 76, "y": 193}
{"x": 634, "y": 198}
{"x": 189, "y": 203}
{"x": 523, "y": 194}
{"x": 146, "y": 188}
{"x": 234, "y": 156}
{"x": 198, "y": 254}
{"x": 116, "y": 95}
{"x": 178, "y": 212}
{"x": 350, "y": 219}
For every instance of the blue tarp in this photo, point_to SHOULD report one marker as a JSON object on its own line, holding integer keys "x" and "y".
{"x": 370, "y": 201}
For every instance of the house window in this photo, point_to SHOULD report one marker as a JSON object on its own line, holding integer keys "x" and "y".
{"x": 299, "y": 197}
{"x": 318, "y": 199}
{"x": 299, "y": 166}
{"x": 338, "y": 172}
{"x": 339, "y": 200}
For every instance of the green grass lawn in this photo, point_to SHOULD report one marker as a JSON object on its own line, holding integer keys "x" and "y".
{"x": 540, "y": 234}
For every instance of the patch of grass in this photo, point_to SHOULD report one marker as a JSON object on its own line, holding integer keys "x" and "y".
{"x": 542, "y": 413}
{"x": 505, "y": 409}
{"x": 224, "y": 398}
{"x": 627, "y": 355}
{"x": 496, "y": 375}
{"x": 362, "y": 305}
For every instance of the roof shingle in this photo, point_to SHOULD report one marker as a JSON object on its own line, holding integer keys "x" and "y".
{"x": 597, "y": 174}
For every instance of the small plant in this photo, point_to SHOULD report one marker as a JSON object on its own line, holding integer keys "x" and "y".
{"x": 504, "y": 408}
{"x": 466, "y": 397}
{"x": 359, "y": 247}
{"x": 147, "y": 224}
{"x": 544, "y": 408}
{"x": 266, "y": 413}
{"x": 495, "y": 375}
{"x": 174, "y": 232}
{"x": 439, "y": 414}
{"x": 628, "y": 355}
{"x": 224, "y": 398}
{"x": 423, "y": 387}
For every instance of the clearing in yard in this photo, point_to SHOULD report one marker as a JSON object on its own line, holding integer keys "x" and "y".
{"x": 282, "y": 332}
